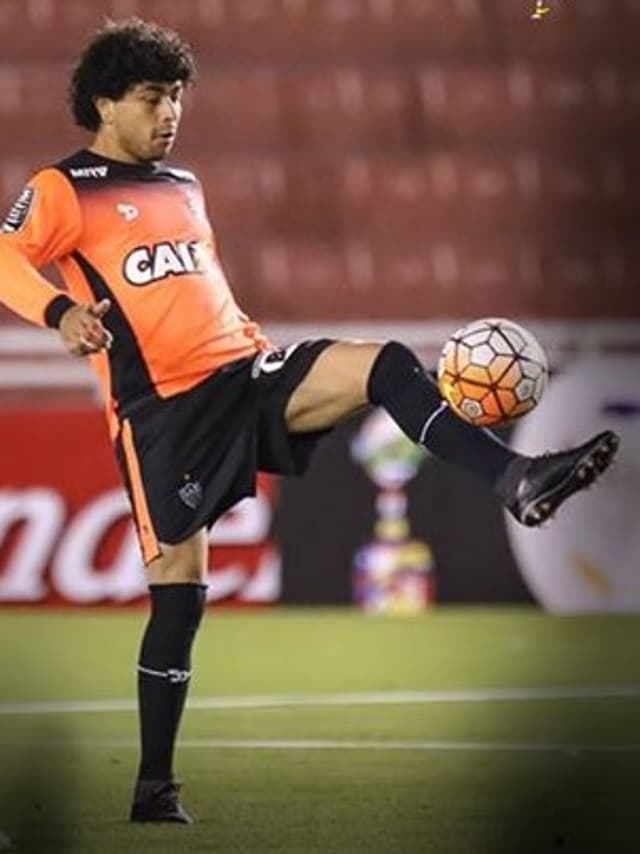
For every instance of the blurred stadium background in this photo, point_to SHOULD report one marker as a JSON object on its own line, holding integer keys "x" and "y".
{"x": 373, "y": 168}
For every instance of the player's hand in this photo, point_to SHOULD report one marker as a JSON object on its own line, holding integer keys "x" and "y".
{"x": 82, "y": 331}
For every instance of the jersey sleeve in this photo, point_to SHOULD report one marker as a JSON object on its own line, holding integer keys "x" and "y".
{"x": 43, "y": 225}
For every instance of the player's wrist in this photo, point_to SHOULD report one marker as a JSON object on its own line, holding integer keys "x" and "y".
{"x": 57, "y": 309}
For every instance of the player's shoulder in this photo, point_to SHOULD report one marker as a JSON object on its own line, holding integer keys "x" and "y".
{"x": 85, "y": 169}
{"x": 46, "y": 184}
{"x": 46, "y": 197}
{"x": 179, "y": 174}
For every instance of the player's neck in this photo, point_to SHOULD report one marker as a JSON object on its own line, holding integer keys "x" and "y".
{"x": 109, "y": 148}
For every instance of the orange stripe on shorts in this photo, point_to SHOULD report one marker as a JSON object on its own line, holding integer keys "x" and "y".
{"x": 146, "y": 533}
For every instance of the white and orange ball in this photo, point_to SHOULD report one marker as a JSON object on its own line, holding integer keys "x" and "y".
{"x": 492, "y": 371}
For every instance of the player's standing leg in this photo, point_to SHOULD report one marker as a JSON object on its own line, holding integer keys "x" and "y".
{"x": 348, "y": 375}
{"x": 178, "y": 594}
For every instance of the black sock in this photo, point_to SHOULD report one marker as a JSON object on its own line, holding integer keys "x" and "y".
{"x": 164, "y": 672}
{"x": 400, "y": 384}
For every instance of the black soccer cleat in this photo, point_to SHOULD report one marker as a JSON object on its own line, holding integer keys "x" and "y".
{"x": 157, "y": 800}
{"x": 533, "y": 489}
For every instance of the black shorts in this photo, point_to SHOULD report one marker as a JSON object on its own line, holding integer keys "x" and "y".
{"x": 188, "y": 458}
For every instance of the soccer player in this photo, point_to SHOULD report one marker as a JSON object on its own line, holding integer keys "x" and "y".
{"x": 197, "y": 399}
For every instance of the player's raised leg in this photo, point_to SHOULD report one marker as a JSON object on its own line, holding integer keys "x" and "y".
{"x": 349, "y": 375}
{"x": 178, "y": 593}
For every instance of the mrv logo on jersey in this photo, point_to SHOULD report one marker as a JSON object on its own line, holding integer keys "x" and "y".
{"x": 90, "y": 172}
{"x": 147, "y": 264}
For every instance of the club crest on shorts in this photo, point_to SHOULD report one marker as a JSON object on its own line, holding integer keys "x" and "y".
{"x": 191, "y": 493}
{"x": 271, "y": 360}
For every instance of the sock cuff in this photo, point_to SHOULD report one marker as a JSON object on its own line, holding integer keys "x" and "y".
{"x": 177, "y": 596}
{"x": 177, "y": 585}
{"x": 178, "y": 606}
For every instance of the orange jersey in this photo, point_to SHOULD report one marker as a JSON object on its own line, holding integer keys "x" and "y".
{"x": 138, "y": 235}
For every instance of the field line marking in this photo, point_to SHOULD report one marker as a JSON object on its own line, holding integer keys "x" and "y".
{"x": 325, "y": 744}
{"x": 333, "y": 744}
{"x": 371, "y": 698}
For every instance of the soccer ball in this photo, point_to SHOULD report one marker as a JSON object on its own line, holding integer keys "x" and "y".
{"x": 492, "y": 371}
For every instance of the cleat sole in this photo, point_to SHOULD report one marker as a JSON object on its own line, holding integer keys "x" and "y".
{"x": 586, "y": 470}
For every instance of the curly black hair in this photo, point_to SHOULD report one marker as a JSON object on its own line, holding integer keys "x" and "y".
{"x": 121, "y": 55}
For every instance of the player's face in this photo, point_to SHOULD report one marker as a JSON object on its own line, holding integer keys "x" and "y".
{"x": 145, "y": 120}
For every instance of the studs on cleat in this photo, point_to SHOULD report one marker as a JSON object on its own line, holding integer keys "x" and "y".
{"x": 542, "y": 511}
{"x": 538, "y": 513}
{"x": 552, "y": 478}
{"x": 588, "y": 471}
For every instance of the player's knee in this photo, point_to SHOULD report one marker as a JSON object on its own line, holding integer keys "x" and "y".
{"x": 395, "y": 365}
{"x": 186, "y": 572}
{"x": 184, "y": 563}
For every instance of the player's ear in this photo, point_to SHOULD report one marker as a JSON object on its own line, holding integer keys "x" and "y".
{"x": 105, "y": 108}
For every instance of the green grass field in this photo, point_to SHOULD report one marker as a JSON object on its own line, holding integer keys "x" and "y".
{"x": 463, "y": 731}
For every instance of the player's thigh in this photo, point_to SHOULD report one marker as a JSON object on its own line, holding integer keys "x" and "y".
{"x": 334, "y": 388}
{"x": 184, "y": 562}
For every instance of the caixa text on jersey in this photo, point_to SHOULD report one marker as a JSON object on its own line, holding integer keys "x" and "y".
{"x": 145, "y": 265}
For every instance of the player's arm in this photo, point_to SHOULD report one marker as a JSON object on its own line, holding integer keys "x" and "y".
{"x": 44, "y": 225}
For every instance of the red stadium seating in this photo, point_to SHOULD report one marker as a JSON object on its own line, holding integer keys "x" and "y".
{"x": 33, "y": 104}
{"x": 309, "y": 31}
{"x": 312, "y": 31}
{"x": 238, "y": 31}
{"x": 246, "y": 195}
{"x": 556, "y": 107}
{"x": 585, "y": 31}
{"x": 536, "y": 275}
{"x": 431, "y": 196}
{"x": 292, "y": 276}
{"x": 382, "y": 158}
{"x": 347, "y": 107}
{"x": 441, "y": 193}
{"x": 350, "y": 107}
{"x": 239, "y": 110}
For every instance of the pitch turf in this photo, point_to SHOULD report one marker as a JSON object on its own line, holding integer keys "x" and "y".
{"x": 465, "y": 763}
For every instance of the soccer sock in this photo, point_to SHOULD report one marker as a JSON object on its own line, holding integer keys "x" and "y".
{"x": 164, "y": 672}
{"x": 400, "y": 384}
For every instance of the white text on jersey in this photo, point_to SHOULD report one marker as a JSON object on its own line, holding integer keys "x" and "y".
{"x": 90, "y": 172}
{"x": 147, "y": 264}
